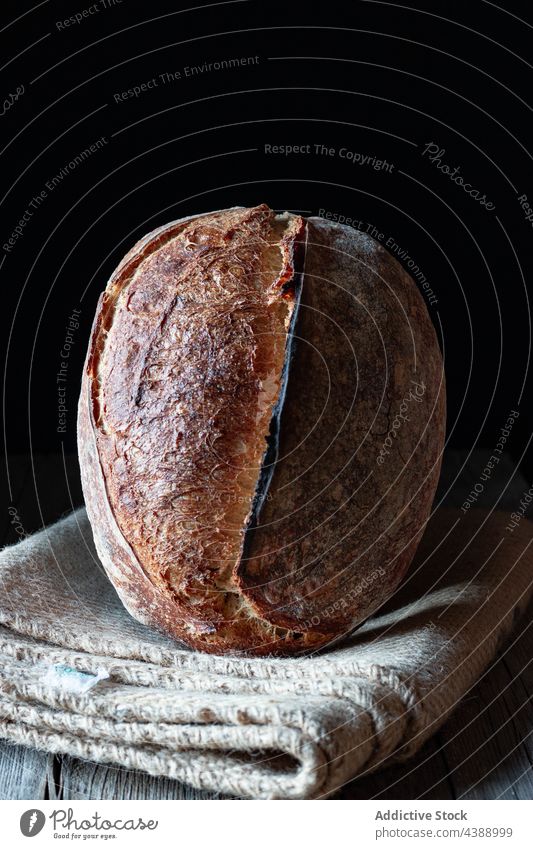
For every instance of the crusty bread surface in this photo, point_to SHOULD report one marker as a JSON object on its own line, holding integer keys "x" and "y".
{"x": 260, "y": 429}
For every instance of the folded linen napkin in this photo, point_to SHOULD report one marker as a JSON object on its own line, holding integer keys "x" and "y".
{"x": 80, "y": 676}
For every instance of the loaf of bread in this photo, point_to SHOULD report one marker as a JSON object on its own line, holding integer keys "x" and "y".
{"x": 260, "y": 429}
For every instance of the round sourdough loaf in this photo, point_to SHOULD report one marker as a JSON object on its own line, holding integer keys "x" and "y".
{"x": 260, "y": 429}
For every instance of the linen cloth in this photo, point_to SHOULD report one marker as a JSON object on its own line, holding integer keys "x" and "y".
{"x": 80, "y": 676}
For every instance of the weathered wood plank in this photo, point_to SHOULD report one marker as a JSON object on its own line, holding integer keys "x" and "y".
{"x": 86, "y": 780}
{"x": 23, "y": 772}
{"x": 518, "y": 661}
{"x": 486, "y": 741}
{"x": 422, "y": 777}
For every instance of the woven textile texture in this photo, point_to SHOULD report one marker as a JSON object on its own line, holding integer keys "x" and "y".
{"x": 80, "y": 676}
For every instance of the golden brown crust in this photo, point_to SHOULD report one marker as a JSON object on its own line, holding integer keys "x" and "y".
{"x": 184, "y": 371}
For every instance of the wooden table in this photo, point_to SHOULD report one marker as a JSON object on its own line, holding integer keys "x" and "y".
{"x": 484, "y": 751}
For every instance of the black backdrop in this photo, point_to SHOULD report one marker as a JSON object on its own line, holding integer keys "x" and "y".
{"x": 374, "y": 79}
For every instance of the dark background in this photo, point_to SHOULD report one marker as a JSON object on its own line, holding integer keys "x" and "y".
{"x": 377, "y": 78}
